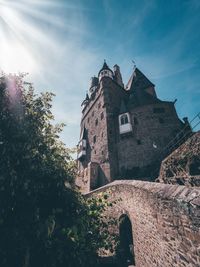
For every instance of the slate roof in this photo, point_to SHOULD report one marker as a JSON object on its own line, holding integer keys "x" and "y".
{"x": 123, "y": 107}
{"x": 94, "y": 82}
{"x": 137, "y": 85}
{"x": 138, "y": 80}
{"x": 85, "y": 100}
{"x": 105, "y": 67}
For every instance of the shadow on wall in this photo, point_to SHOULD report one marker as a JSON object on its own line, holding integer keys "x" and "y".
{"x": 147, "y": 173}
{"x": 125, "y": 251}
{"x": 125, "y": 256}
{"x": 98, "y": 177}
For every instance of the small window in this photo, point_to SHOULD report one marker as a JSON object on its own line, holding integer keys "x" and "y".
{"x": 88, "y": 120}
{"x": 95, "y": 152}
{"x": 94, "y": 139}
{"x": 99, "y": 105}
{"x": 124, "y": 119}
{"x": 105, "y": 72}
{"x": 139, "y": 142}
{"x": 92, "y": 113}
{"x": 102, "y": 134}
{"x": 161, "y": 120}
{"x": 158, "y": 110}
{"x": 102, "y": 116}
{"x": 96, "y": 122}
{"x": 102, "y": 153}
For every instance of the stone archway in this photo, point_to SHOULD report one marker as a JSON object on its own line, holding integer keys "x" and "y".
{"x": 126, "y": 245}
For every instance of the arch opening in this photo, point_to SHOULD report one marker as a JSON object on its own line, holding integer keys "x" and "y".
{"x": 126, "y": 245}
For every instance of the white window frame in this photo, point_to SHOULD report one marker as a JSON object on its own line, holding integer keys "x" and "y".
{"x": 126, "y": 126}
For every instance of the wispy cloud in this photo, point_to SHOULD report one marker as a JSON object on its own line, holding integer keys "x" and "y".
{"x": 63, "y": 43}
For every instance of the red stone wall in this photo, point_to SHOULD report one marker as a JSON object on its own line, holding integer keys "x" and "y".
{"x": 165, "y": 221}
{"x": 151, "y": 133}
{"x": 183, "y": 165}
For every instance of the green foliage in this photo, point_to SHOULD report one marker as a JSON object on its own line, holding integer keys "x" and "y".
{"x": 42, "y": 221}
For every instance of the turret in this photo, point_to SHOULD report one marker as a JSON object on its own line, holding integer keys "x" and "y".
{"x": 117, "y": 75}
{"x": 93, "y": 85}
{"x": 105, "y": 71}
{"x": 85, "y": 101}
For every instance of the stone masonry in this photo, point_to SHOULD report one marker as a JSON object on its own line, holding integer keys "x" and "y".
{"x": 183, "y": 165}
{"x": 165, "y": 221}
{"x": 123, "y": 129}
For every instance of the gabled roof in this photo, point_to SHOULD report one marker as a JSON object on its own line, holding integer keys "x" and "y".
{"x": 138, "y": 79}
{"x": 137, "y": 87}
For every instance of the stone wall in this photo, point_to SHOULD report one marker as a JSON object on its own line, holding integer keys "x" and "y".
{"x": 183, "y": 165}
{"x": 152, "y": 131}
{"x": 94, "y": 121}
{"x": 165, "y": 221}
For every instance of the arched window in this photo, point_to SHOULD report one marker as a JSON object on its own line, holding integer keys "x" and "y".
{"x": 126, "y": 245}
{"x": 124, "y": 123}
{"x": 124, "y": 119}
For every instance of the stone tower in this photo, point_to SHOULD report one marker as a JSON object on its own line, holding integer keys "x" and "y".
{"x": 123, "y": 129}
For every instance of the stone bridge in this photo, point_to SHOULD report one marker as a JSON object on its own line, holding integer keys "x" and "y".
{"x": 164, "y": 219}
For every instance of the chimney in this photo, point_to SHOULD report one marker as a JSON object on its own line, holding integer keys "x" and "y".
{"x": 117, "y": 75}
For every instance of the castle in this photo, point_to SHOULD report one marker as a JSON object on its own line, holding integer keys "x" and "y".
{"x": 124, "y": 129}
{"x": 128, "y": 134}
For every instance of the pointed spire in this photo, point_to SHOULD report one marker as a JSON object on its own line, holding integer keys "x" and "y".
{"x": 86, "y": 100}
{"x": 105, "y": 67}
{"x": 117, "y": 75}
{"x": 87, "y": 97}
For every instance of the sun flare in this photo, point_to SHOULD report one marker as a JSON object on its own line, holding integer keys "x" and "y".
{"x": 20, "y": 36}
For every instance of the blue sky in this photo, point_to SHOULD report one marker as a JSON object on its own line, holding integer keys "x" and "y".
{"x": 63, "y": 43}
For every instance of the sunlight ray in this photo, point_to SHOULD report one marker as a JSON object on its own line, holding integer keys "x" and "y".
{"x": 20, "y": 38}
{"x": 37, "y": 13}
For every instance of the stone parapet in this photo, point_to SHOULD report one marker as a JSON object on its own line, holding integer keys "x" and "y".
{"x": 165, "y": 221}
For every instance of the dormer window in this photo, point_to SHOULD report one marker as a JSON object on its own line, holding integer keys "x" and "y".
{"x": 124, "y": 123}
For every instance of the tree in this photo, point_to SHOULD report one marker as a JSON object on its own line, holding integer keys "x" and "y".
{"x": 43, "y": 222}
